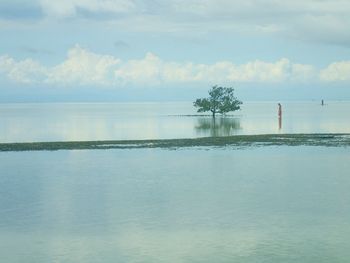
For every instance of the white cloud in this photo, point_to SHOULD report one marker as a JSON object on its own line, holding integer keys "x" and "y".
{"x": 85, "y": 68}
{"x": 260, "y": 71}
{"x": 152, "y": 70}
{"x": 24, "y": 71}
{"x": 337, "y": 71}
{"x": 225, "y": 71}
{"x": 147, "y": 70}
{"x": 302, "y": 72}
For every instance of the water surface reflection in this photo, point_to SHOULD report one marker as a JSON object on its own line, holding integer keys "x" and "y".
{"x": 267, "y": 204}
{"x": 137, "y": 121}
{"x": 222, "y": 126}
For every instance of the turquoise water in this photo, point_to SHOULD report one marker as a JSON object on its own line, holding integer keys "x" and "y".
{"x": 269, "y": 204}
{"x": 120, "y": 121}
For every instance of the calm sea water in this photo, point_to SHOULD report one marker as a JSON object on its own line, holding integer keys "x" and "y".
{"x": 269, "y": 204}
{"x": 116, "y": 121}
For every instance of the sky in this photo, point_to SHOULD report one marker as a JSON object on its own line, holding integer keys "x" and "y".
{"x": 173, "y": 50}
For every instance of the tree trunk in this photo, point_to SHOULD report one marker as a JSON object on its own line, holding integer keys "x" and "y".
{"x": 213, "y": 114}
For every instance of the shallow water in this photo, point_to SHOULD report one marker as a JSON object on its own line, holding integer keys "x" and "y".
{"x": 269, "y": 204}
{"x": 119, "y": 121}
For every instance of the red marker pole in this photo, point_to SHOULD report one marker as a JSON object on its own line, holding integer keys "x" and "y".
{"x": 279, "y": 110}
{"x": 279, "y": 116}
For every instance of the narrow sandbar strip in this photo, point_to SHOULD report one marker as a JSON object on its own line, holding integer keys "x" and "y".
{"x": 327, "y": 139}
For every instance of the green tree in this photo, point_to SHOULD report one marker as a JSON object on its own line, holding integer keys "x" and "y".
{"x": 221, "y": 100}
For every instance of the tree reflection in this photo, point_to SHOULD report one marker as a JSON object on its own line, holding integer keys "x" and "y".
{"x": 217, "y": 126}
{"x": 279, "y": 123}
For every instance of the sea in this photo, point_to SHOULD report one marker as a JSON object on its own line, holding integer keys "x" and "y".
{"x": 195, "y": 204}
{"x": 134, "y": 121}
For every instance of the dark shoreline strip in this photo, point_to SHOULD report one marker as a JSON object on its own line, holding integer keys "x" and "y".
{"x": 327, "y": 139}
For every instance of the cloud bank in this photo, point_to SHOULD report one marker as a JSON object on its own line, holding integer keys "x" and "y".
{"x": 85, "y": 68}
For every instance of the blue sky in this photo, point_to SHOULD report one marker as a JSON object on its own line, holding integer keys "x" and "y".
{"x": 138, "y": 50}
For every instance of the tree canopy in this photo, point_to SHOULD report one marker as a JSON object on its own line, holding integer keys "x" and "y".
{"x": 221, "y": 100}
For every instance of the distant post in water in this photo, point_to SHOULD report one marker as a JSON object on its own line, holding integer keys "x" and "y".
{"x": 322, "y": 102}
